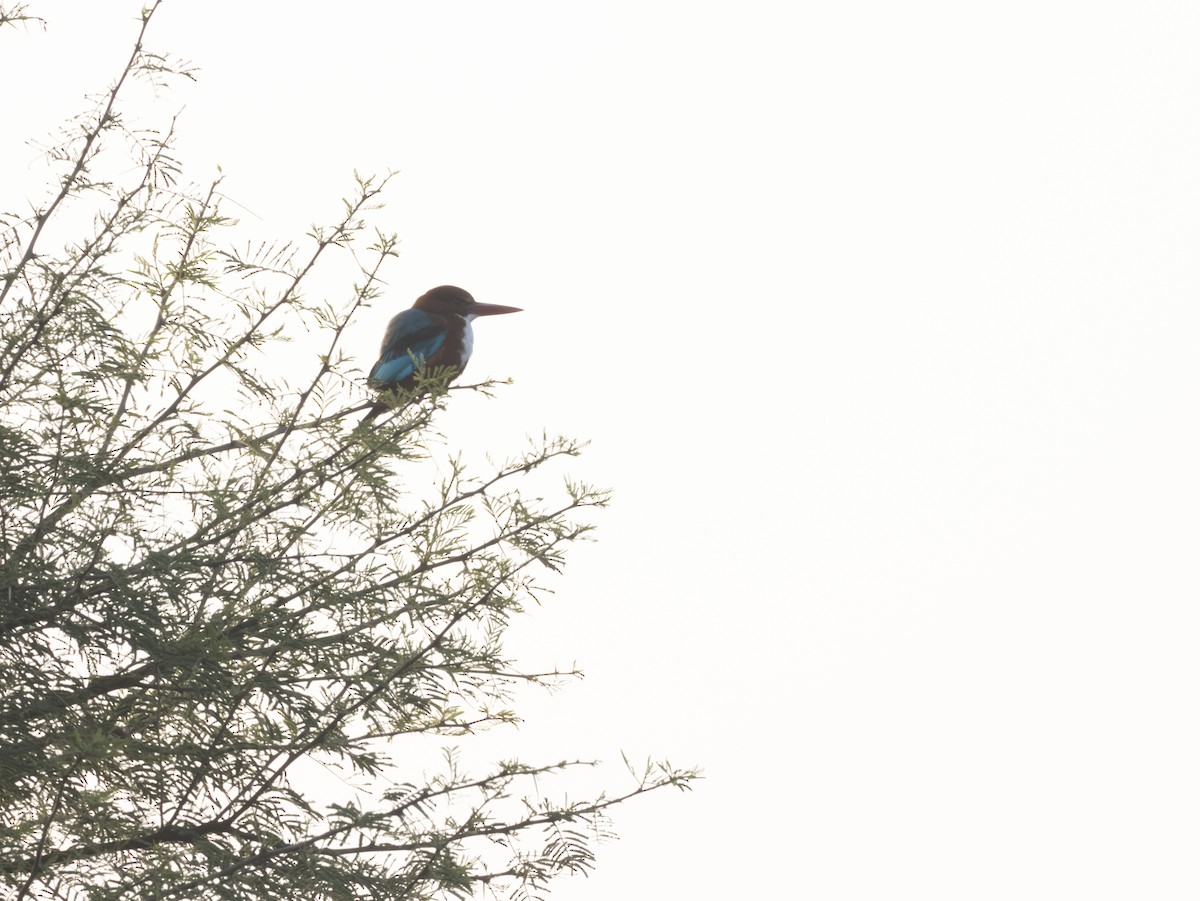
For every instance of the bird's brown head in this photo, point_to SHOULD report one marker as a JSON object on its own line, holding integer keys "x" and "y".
{"x": 449, "y": 300}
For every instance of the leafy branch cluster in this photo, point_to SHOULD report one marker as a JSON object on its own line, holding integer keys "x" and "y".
{"x": 212, "y": 574}
{"x": 17, "y": 13}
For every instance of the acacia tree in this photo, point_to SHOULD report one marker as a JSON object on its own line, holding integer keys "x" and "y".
{"x": 212, "y": 575}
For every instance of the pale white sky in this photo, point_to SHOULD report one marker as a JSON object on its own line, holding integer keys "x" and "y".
{"x": 883, "y": 319}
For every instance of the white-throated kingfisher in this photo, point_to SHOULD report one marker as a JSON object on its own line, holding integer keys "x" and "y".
{"x": 434, "y": 333}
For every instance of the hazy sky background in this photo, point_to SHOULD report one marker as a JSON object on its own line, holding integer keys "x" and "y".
{"x": 883, "y": 321}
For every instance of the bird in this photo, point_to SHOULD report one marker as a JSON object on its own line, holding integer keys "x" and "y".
{"x": 434, "y": 333}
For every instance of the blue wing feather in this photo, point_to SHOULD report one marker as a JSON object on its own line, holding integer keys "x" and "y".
{"x": 411, "y": 338}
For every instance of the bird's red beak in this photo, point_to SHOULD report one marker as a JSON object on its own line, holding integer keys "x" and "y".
{"x": 492, "y": 309}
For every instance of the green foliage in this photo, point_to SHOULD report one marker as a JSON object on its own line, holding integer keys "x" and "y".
{"x": 212, "y": 575}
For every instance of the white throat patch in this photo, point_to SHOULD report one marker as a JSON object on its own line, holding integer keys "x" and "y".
{"x": 468, "y": 341}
